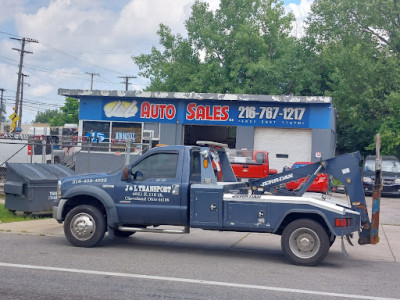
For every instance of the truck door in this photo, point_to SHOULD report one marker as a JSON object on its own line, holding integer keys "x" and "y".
{"x": 151, "y": 196}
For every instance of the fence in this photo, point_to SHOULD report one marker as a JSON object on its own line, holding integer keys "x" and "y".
{"x": 83, "y": 156}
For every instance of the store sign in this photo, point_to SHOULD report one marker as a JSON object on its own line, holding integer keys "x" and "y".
{"x": 122, "y": 109}
{"x": 125, "y": 136}
{"x": 207, "y": 112}
{"x": 157, "y": 111}
{"x": 229, "y": 113}
{"x": 96, "y": 137}
{"x": 249, "y": 115}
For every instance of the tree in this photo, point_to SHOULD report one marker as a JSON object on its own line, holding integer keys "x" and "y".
{"x": 358, "y": 44}
{"x": 242, "y": 47}
{"x": 46, "y": 116}
{"x": 69, "y": 114}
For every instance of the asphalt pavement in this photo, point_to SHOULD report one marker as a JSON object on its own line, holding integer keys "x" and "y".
{"x": 388, "y": 248}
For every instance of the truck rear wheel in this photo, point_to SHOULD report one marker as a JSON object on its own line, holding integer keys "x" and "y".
{"x": 305, "y": 242}
{"x": 84, "y": 226}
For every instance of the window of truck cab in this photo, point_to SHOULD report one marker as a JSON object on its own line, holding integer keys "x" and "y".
{"x": 158, "y": 165}
{"x": 195, "y": 167}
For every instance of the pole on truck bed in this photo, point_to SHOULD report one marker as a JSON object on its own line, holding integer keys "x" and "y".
{"x": 376, "y": 195}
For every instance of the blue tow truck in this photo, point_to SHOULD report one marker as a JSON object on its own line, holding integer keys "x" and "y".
{"x": 171, "y": 189}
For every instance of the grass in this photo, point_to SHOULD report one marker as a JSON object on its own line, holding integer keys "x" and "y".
{"x": 7, "y": 217}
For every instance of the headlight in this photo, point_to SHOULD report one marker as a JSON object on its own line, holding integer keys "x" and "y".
{"x": 368, "y": 180}
{"x": 59, "y": 189}
{"x": 397, "y": 181}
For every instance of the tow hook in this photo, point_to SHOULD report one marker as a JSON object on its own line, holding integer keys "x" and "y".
{"x": 347, "y": 237}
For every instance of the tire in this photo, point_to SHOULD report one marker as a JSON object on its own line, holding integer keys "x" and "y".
{"x": 84, "y": 226}
{"x": 122, "y": 234}
{"x": 305, "y": 242}
{"x": 332, "y": 240}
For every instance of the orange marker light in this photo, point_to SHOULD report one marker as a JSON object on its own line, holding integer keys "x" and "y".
{"x": 205, "y": 163}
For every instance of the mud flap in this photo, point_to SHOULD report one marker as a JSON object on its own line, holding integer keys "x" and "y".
{"x": 348, "y": 239}
{"x": 345, "y": 254}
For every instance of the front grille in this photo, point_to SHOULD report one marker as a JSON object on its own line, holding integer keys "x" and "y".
{"x": 388, "y": 181}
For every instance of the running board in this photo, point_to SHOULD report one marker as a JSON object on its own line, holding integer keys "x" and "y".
{"x": 154, "y": 230}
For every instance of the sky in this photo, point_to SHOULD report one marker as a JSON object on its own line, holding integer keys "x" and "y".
{"x": 74, "y": 38}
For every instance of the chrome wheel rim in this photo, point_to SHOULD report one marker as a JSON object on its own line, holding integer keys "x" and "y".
{"x": 83, "y": 226}
{"x": 304, "y": 243}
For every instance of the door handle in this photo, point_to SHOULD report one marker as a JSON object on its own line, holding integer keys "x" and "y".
{"x": 213, "y": 207}
{"x": 175, "y": 189}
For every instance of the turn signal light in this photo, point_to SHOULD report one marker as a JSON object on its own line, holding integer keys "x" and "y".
{"x": 205, "y": 163}
{"x": 342, "y": 222}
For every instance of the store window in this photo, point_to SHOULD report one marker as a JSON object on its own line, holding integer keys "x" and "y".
{"x": 97, "y": 132}
{"x": 124, "y": 131}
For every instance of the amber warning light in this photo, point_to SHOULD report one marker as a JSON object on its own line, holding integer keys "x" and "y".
{"x": 205, "y": 163}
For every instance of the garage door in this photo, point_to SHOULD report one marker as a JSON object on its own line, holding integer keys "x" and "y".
{"x": 285, "y": 146}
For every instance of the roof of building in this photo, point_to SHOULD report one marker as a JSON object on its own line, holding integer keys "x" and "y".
{"x": 193, "y": 96}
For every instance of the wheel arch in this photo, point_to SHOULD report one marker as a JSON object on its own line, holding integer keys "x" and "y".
{"x": 91, "y": 195}
{"x": 316, "y": 216}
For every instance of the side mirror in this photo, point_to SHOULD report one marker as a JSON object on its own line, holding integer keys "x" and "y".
{"x": 138, "y": 176}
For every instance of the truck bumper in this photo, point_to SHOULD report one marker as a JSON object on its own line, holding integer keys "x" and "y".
{"x": 58, "y": 210}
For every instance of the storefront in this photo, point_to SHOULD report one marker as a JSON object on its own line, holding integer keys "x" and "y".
{"x": 290, "y": 128}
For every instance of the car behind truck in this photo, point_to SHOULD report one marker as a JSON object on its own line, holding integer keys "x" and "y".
{"x": 177, "y": 185}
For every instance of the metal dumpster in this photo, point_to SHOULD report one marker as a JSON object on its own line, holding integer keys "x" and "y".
{"x": 32, "y": 187}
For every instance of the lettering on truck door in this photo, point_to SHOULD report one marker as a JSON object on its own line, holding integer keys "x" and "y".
{"x": 151, "y": 194}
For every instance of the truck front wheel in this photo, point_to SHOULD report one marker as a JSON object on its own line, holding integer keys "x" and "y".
{"x": 84, "y": 226}
{"x": 305, "y": 242}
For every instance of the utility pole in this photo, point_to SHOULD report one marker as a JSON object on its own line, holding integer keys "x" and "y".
{"x": 21, "y": 61}
{"x": 91, "y": 83}
{"x": 126, "y": 82}
{"x": 1, "y": 106}
{"x": 22, "y": 98}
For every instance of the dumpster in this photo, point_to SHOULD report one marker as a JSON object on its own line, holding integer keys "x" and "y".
{"x": 32, "y": 187}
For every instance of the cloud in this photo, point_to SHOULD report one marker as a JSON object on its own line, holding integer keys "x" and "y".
{"x": 41, "y": 90}
{"x": 78, "y": 36}
{"x": 141, "y": 19}
{"x": 300, "y": 11}
{"x": 10, "y": 8}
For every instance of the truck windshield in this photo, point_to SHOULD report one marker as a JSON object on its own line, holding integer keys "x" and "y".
{"x": 388, "y": 166}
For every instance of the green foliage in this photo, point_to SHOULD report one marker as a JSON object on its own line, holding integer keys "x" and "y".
{"x": 69, "y": 114}
{"x": 46, "y": 116}
{"x": 6, "y": 216}
{"x": 242, "y": 47}
{"x": 357, "y": 42}
{"x": 390, "y": 128}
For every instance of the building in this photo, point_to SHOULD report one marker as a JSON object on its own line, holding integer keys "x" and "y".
{"x": 290, "y": 128}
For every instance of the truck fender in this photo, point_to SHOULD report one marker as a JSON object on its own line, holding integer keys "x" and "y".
{"x": 306, "y": 213}
{"x": 98, "y": 193}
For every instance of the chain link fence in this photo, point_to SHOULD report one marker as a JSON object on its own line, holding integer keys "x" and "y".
{"x": 80, "y": 154}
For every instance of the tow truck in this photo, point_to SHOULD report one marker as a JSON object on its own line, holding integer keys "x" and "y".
{"x": 172, "y": 189}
